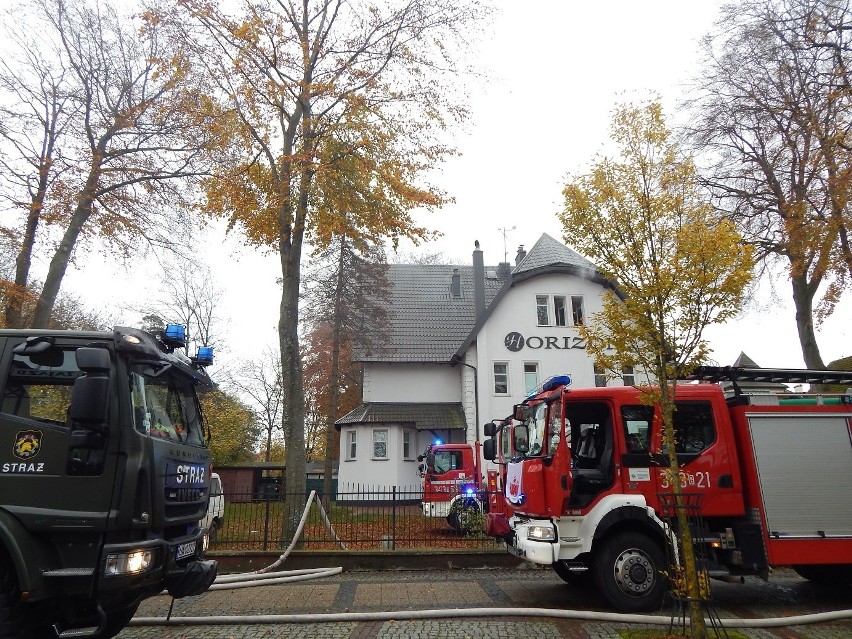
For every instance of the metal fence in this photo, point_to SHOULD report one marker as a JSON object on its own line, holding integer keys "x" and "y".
{"x": 361, "y": 517}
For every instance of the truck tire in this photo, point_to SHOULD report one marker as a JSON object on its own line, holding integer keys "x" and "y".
{"x": 826, "y": 574}
{"x": 628, "y": 572}
{"x": 576, "y": 577}
{"x": 11, "y": 616}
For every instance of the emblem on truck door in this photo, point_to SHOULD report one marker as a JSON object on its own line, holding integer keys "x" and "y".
{"x": 27, "y": 444}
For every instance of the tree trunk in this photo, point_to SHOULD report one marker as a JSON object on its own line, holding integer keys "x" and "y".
{"x": 59, "y": 264}
{"x": 14, "y": 308}
{"x": 334, "y": 378}
{"x": 81, "y": 215}
{"x": 688, "y": 574}
{"x": 803, "y": 295}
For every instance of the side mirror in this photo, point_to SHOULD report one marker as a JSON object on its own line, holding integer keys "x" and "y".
{"x": 489, "y": 449}
{"x": 518, "y": 412}
{"x": 490, "y": 429}
{"x": 522, "y": 438}
{"x": 90, "y": 395}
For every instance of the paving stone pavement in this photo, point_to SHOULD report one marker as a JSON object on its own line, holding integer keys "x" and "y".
{"x": 785, "y": 594}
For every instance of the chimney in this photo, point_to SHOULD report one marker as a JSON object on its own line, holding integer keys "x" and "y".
{"x": 455, "y": 284}
{"x": 521, "y": 255}
{"x": 503, "y": 270}
{"x": 478, "y": 281}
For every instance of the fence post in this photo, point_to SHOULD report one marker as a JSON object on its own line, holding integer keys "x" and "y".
{"x": 393, "y": 521}
{"x": 266, "y": 525}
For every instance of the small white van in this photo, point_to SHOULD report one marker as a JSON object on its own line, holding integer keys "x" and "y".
{"x": 215, "y": 511}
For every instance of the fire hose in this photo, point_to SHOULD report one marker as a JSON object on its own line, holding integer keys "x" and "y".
{"x": 269, "y": 576}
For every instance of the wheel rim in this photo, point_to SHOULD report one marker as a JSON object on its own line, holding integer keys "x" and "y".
{"x": 634, "y": 572}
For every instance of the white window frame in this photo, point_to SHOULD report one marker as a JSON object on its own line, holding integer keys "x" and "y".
{"x": 495, "y": 375}
{"x": 546, "y": 305}
{"x": 408, "y": 439}
{"x": 582, "y": 308}
{"x": 351, "y": 444}
{"x": 628, "y": 376}
{"x": 376, "y": 431}
{"x": 600, "y": 376}
{"x": 527, "y": 388}
{"x": 564, "y": 318}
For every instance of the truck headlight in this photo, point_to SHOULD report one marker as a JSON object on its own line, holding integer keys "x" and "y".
{"x": 541, "y": 533}
{"x": 129, "y": 563}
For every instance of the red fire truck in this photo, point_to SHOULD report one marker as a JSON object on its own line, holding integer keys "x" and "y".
{"x": 452, "y": 479}
{"x": 771, "y": 475}
{"x": 450, "y": 475}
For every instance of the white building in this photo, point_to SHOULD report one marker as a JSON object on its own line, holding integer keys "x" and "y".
{"x": 466, "y": 343}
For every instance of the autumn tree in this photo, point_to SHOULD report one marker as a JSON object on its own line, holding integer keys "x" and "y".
{"x": 111, "y": 133}
{"x": 339, "y": 109}
{"x": 233, "y": 426}
{"x": 642, "y": 220}
{"x": 772, "y": 118}
{"x": 258, "y": 381}
{"x": 346, "y": 303}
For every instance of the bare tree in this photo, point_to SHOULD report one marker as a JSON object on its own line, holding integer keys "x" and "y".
{"x": 33, "y": 118}
{"x": 131, "y": 131}
{"x": 258, "y": 382}
{"x": 772, "y": 118}
{"x": 188, "y": 294}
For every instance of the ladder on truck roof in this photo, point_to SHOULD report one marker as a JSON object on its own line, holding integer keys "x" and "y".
{"x": 769, "y": 375}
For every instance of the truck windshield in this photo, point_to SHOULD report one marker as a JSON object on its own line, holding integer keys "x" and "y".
{"x": 165, "y": 405}
{"x": 537, "y": 424}
{"x": 447, "y": 460}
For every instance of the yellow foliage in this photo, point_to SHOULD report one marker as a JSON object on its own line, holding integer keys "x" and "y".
{"x": 679, "y": 267}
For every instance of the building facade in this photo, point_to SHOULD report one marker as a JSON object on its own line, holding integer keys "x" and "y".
{"x": 465, "y": 343}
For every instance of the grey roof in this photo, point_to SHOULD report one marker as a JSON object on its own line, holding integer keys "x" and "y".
{"x": 549, "y": 252}
{"x": 422, "y": 416}
{"x": 426, "y": 323}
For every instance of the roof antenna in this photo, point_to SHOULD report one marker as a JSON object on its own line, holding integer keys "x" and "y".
{"x": 505, "y": 231}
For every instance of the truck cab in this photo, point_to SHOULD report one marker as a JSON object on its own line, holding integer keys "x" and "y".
{"x": 104, "y": 476}
{"x": 446, "y": 469}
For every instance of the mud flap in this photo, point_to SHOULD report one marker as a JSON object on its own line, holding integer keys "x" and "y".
{"x": 196, "y": 579}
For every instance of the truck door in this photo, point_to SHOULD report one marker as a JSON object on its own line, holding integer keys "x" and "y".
{"x": 54, "y": 476}
{"x": 705, "y": 458}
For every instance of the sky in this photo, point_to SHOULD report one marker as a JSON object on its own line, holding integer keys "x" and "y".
{"x": 557, "y": 69}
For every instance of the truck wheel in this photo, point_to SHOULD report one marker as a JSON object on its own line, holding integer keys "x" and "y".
{"x": 576, "y": 577}
{"x": 826, "y": 574}
{"x": 11, "y": 617}
{"x": 627, "y": 571}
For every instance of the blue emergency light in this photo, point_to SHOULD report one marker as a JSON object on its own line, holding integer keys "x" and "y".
{"x": 174, "y": 335}
{"x": 556, "y": 380}
{"x": 204, "y": 355}
{"x": 438, "y": 442}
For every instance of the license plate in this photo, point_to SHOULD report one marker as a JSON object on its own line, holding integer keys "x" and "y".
{"x": 185, "y": 550}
